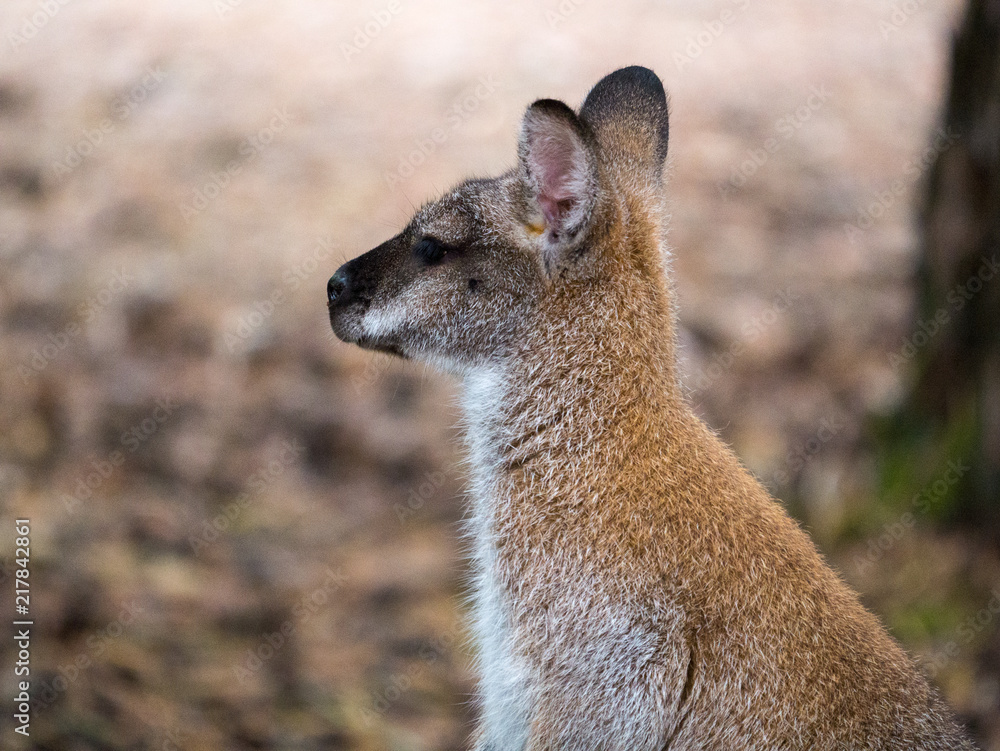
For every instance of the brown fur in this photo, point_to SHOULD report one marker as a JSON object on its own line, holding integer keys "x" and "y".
{"x": 636, "y": 587}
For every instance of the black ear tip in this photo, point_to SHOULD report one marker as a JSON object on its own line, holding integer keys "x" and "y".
{"x": 630, "y": 94}
{"x": 636, "y": 79}
{"x": 638, "y": 73}
{"x": 551, "y": 108}
{"x": 543, "y": 114}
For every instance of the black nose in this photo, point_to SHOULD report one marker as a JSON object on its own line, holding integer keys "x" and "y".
{"x": 337, "y": 285}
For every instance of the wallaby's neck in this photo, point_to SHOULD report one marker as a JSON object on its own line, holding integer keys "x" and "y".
{"x": 596, "y": 386}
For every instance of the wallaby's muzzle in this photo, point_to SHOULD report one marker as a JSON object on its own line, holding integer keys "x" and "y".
{"x": 337, "y": 287}
{"x": 342, "y": 294}
{"x": 350, "y": 294}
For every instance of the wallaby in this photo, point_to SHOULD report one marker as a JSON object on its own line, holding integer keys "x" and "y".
{"x": 634, "y": 586}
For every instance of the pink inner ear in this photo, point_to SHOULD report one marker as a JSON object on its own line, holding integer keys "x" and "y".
{"x": 555, "y": 160}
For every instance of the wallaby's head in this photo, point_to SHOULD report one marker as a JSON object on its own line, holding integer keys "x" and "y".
{"x": 572, "y": 235}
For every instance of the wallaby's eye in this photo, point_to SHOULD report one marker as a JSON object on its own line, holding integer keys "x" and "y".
{"x": 430, "y": 250}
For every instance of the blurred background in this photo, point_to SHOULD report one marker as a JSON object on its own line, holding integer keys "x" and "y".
{"x": 244, "y": 533}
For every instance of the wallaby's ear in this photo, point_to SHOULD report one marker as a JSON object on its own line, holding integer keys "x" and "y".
{"x": 559, "y": 171}
{"x": 627, "y": 111}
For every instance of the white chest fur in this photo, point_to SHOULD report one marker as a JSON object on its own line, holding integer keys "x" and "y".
{"x": 505, "y": 680}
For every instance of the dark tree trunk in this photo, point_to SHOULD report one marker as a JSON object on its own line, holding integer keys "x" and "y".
{"x": 953, "y": 409}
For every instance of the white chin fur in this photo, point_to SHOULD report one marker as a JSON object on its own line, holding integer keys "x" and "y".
{"x": 383, "y": 323}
